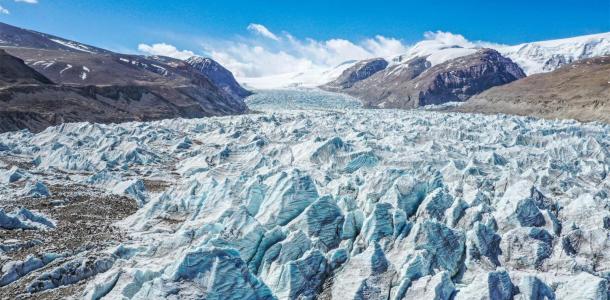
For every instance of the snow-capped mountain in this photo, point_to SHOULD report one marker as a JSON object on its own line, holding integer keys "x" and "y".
{"x": 533, "y": 57}
{"x": 418, "y": 82}
{"x": 449, "y": 68}
{"x": 310, "y": 79}
{"x": 580, "y": 90}
{"x": 546, "y": 56}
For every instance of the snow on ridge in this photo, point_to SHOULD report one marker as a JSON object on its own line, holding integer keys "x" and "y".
{"x": 532, "y": 57}
{"x": 73, "y": 45}
{"x": 546, "y": 56}
{"x": 310, "y": 79}
{"x": 68, "y": 67}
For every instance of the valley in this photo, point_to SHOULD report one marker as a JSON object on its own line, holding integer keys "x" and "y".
{"x": 315, "y": 203}
{"x": 269, "y": 166}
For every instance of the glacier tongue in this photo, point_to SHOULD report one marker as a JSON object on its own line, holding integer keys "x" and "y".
{"x": 354, "y": 204}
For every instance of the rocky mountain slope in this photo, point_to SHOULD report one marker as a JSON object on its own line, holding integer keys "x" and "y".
{"x": 417, "y": 82}
{"x": 437, "y": 71}
{"x": 351, "y": 204}
{"x": 97, "y": 85}
{"x": 13, "y": 71}
{"x": 580, "y": 90}
{"x": 358, "y": 72}
{"x": 532, "y": 57}
{"x": 219, "y": 75}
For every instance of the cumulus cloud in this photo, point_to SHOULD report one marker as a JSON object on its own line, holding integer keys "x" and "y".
{"x": 278, "y": 54}
{"x": 448, "y": 38}
{"x": 28, "y": 1}
{"x": 164, "y": 49}
{"x": 263, "y": 31}
{"x": 251, "y": 56}
{"x": 4, "y": 11}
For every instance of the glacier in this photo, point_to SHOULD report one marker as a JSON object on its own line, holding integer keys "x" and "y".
{"x": 330, "y": 201}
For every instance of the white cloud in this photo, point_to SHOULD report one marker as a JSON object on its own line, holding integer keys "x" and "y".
{"x": 165, "y": 50}
{"x": 263, "y": 31}
{"x": 448, "y": 38}
{"x": 282, "y": 54}
{"x": 4, "y": 11}
{"x": 252, "y": 57}
{"x": 28, "y": 1}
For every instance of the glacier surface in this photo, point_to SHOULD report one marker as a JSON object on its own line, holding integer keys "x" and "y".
{"x": 333, "y": 203}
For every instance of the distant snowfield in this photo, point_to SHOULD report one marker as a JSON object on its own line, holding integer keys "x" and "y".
{"x": 380, "y": 204}
{"x": 533, "y": 58}
{"x": 311, "y": 79}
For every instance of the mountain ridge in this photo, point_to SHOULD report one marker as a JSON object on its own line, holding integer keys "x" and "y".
{"x": 98, "y": 85}
{"x": 580, "y": 90}
{"x": 418, "y": 82}
{"x": 530, "y": 56}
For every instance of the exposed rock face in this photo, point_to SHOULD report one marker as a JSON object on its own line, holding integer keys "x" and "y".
{"x": 218, "y": 75}
{"x": 97, "y": 85}
{"x": 40, "y": 106}
{"x": 414, "y": 83}
{"x": 577, "y": 91}
{"x": 360, "y": 71}
{"x": 14, "y": 71}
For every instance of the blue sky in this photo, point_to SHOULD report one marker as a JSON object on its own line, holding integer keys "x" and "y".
{"x": 203, "y": 27}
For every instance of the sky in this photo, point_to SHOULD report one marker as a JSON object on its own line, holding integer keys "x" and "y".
{"x": 259, "y": 38}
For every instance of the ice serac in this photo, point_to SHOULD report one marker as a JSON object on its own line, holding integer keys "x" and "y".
{"x": 444, "y": 243}
{"x": 323, "y": 221}
{"x": 292, "y": 193}
{"x": 532, "y": 287}
{"x": 500, "y": 285}
{"x": 455, "y": 206}
{"x": 71, "y": 272}
{"x": 438, "y": 287}
{"x": 364, "y": 276}
{"x": 583, "y": 286}
{"x": 526, "y": 247}
{"x": 220, "y": 274}
{"x": 302, "y": 278}
{"x": 14, "y": 270}
{"x": 24, "y": 219}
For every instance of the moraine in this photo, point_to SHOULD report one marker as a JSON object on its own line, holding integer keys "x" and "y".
{"x": 320, "y": 201}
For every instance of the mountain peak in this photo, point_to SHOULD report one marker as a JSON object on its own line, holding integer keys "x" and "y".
{"x": 219, "y": 75}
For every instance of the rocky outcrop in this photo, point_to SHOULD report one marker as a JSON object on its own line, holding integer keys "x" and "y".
{"x": 415, "y": 83}
{"x": 14, "y": 71}
{"x": 36, "y": 107}
{"x": 577, "y": 91}
{"x": 218, "y": 75}
{"x": 358, "y": 72}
